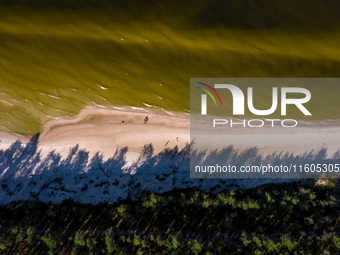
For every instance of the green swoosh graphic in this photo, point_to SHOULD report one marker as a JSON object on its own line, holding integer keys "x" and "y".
{"x": 208, "y": 93}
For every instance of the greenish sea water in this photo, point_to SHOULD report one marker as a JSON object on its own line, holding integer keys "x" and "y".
{"x": 57, "y": 57}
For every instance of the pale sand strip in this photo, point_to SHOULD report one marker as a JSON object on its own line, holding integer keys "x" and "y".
{"x": 296, "y": 140}
{"x": 101, "y": 129}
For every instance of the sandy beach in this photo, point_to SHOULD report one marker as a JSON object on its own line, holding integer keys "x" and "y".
{"x": 104, "y": 130}
{"x": 99, "y": 129}
{"x": 61, "y": 173}
{"x": 305, "y": 137}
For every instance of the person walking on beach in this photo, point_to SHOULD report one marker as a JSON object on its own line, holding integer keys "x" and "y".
{"x": 166, "y": 143}
{"x": 146, "y": 119}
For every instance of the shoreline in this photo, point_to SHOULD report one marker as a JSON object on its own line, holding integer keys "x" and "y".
{"x": 100, "y": 129}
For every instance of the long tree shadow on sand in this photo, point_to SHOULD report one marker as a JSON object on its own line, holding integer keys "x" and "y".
{"x": 26, "y": 175}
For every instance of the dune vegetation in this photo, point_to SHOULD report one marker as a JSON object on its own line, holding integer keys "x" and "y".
{"x": 264, "y": 220}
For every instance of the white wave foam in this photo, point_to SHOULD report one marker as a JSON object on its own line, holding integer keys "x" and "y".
{"x": 102, "y": 87}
